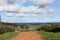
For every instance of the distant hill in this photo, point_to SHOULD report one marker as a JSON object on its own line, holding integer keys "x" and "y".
{"x": 28, "y": 23}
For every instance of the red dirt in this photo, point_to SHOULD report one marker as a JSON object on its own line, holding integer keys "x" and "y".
{"x": 28, "y": 36}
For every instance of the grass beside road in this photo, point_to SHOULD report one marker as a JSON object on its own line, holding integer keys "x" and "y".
{"x": 7, "y": 36}
{"x": 50, "y": 35}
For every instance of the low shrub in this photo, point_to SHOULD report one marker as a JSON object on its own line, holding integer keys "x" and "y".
{"x": 50, "y": 28}
{"x": 2, "y": 30}
{"x": 6, "y": 29}
{"x": 10, "y": 29}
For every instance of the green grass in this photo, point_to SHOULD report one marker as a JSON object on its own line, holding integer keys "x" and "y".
{"x": 51, "y": 35}
{"x": 7, "y": 36}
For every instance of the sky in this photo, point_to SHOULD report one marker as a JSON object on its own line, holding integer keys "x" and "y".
{"x": 30, "y": 11}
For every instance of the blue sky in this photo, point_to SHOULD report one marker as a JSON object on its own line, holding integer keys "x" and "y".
{"x": 52, "y": 15}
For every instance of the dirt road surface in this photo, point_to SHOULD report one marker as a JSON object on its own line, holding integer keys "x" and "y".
{"x": 28, "y": 36}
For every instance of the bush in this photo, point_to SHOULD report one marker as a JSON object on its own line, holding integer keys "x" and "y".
{"x": 38, "y": 29}
{"x": 50, "y": 27}
{"x": 6, "y": 29}
{"x": 2, "y": 30}
{"x": 45, "y": 27}
{"x": 10, "y": 29}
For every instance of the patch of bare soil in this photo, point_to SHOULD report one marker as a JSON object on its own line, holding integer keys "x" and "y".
{"x": 31, "y": 35}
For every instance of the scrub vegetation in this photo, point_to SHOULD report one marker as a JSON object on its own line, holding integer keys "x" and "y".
{"x": 49, "y": 31}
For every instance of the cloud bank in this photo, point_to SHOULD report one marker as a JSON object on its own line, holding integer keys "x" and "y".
{"x": 36, "y": 10}
{"x": 8, "y": 5}
{"x": 5, "y": 6}
{"x": 42, "y": 2}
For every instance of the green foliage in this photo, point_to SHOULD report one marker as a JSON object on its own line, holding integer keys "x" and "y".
{"x": 8, "y": 35}
{"x": 6, "y": 29}
{"x": 50, "y": 27}
{"x": 38, "y": 29}
{"x": 50, "y": 35}
{"x": 46, "y": 27}
{"x": 10, "y": 29}
{"x": 2, "y": 30}
{"x": 18, "y": 28}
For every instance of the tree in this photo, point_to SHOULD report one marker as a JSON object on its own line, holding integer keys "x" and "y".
{"x": 50, "y": 27}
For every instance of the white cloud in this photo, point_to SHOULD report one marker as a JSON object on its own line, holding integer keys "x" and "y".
{"x": 12, "y": 1}
{"x": 11, "y": 8}
{"x": 3, "y": 2}
{"x": 42, "y": 2}
{"x": 51, "y": 10}
{"x": 35, "y": 15}
{"x": 28, "y": 9}
{"x": 20, "y": 15}
{"x": 34, "y": 9}
{"x": 9, "y": 14}
{"x": 42, "y": 10}
{"x": 4, "y": 6}
{"x": 1, "y": 8}
{"x": 23, "y": 1}
{"x": 37, "y": 11}
{"x": 45, "y": 12}
{"x": 39, "y": 2}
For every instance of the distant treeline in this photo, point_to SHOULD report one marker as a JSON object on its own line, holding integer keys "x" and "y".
{"x": 12, "y": 27}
